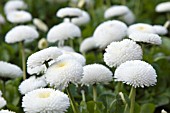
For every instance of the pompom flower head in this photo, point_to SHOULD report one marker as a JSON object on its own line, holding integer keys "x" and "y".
{"x": 136, "y": 73}
{"x": 19, "y": 17}
{"x": 160, "y": 30}
{"x": 117, "y": 10}
{"x": 120, "y": 52}
{"x": 129, "y": 17}
{"x": 6, "y": 111}
{"x": 63, "y": 31}
{"x": 45, "y": 100}
{"x": 21, "y": 33}
{"x": 87, "y": 45}
{"x": 14, "y": 5}
{"x": 34, "y": 83}
{"x": 61, "y": 73}
{"x": 96, "y": 73}
{"x": 140, "y": 27}
{"x": 81, "y": 20}
{"x": 40, "y": 25}
{"x": 146, "y": 38}
{"x": 43, "y": 56}
{"x": 69, "y": 12}
{"x": 9, "y": 70}
{"x": 2, "y": 101}
{"x": 108, "y": 32}
{"x": 42, "y": 44}
{"x": 163, "y": 7}
{"x": 2, "y": 19}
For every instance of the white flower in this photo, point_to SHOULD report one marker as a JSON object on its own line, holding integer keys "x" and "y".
{"x": 9, "y": 70}
{"x": 140, "y": 27}
{"x": 116, "y": 10}
{"x": 2, "y": 102}
{"x": 61, "y": 73}
{"x": 63, "y": 31}
{"x": 42, "y": 56}
{"x": 146, "y": 37}
{"x": 19, "y": 17}
{"x": 66, "y": 48}
{"x": 14, "y": 5}
{"x": 96, "y": 73}
{"x": 87, "y": 45}
{"x": 2, "y": 19}
{"x": 81, "y": 20}
{"x": 31, "y": 84}
{"x": 160, "y": 30}
{"x": 6, "y": 111}
{"x": 72, "y": 55}
{"x": 36, "y": 70}
{"x": 136, "y": 73}
{"x": 129, "y": 17}
{"x": 42, "y": 44}
{"x": 40, "y": 25}
{"x": 45, "y": 100}
{"x": 108, "y": 32}
{"x": 120, "y": 52}
{"x": 163, "y": 7}
{"x": 163, "y": 111}
{"x": 69, "y": 12}
{"x": 21, "y": 33}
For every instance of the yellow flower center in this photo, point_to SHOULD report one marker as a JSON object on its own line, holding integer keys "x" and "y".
{"x": 141, "y": 28}
{"x": 18, "y": 15}
{"x": 62, "y": 64}
{"x": 44, "y": 95}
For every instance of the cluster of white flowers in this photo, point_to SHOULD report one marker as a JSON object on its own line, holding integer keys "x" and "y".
{"x": 6, "y": 111}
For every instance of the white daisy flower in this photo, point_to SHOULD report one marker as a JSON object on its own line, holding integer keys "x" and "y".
{"x": 129, "y": 17}
{"x": 116, "y": 10}
{"x": 40, "y": 25}
{"x": 160, "y": 30}
{"x": 34, "y": 83}
{"x": 63, "y": 31}
{"x": 19, "y": 17}
{"x": 42, "y": 43}
{"x": 9, "y": 70}
{"x": 141, "y": 27}
{"x": 72, "y": 55}
{"x": 45, "y": 100}
{"x": 120, "y": 52}
{"x": 21, "y": 33}
{"x": 163, "y": 7}
{"x": 42, "y": 56}
{"x": 69, "y": 12}
{"x": 2, "y": 19}
{"x": 146, "y": 37}
{"x": 163, "y": 111}
{"x": 96, "y": 73}
{"x": 61, "y": 73}
{"x": 136, "y": 73}
{"x": 108, "y": 32}
{"x": 6, "y": 111}
{"x": 36, "y": 70}
{"x": 87, "y": 45}
{"x": 14, "y": 5}
{"x": 2, "y": 101}
{"x": 66, "y": 48}
{"x": 81, "y": 20}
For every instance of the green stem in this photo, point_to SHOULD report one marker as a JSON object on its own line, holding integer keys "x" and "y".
{"x": 168, "y": 16}
{"x": 23, "y": 59}
{"x": 71, "y": 43}
{"x": 132, "y": 99}
{"x": 118, "y": 87}
{"x": 83, "y": 95}
{"x": 95, "y": 96}
{"x": 73, "y": 104}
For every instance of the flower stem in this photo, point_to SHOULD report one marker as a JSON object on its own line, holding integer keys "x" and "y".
{"x": 83, "y": 95}
{"x": 23, "y": 59}
{"x": 95, "y": 96}
{"x": 73, "y": 104}
{"x": 132, "y": 99}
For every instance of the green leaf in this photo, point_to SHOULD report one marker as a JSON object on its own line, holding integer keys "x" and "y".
{"x": 148, "y": 108}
